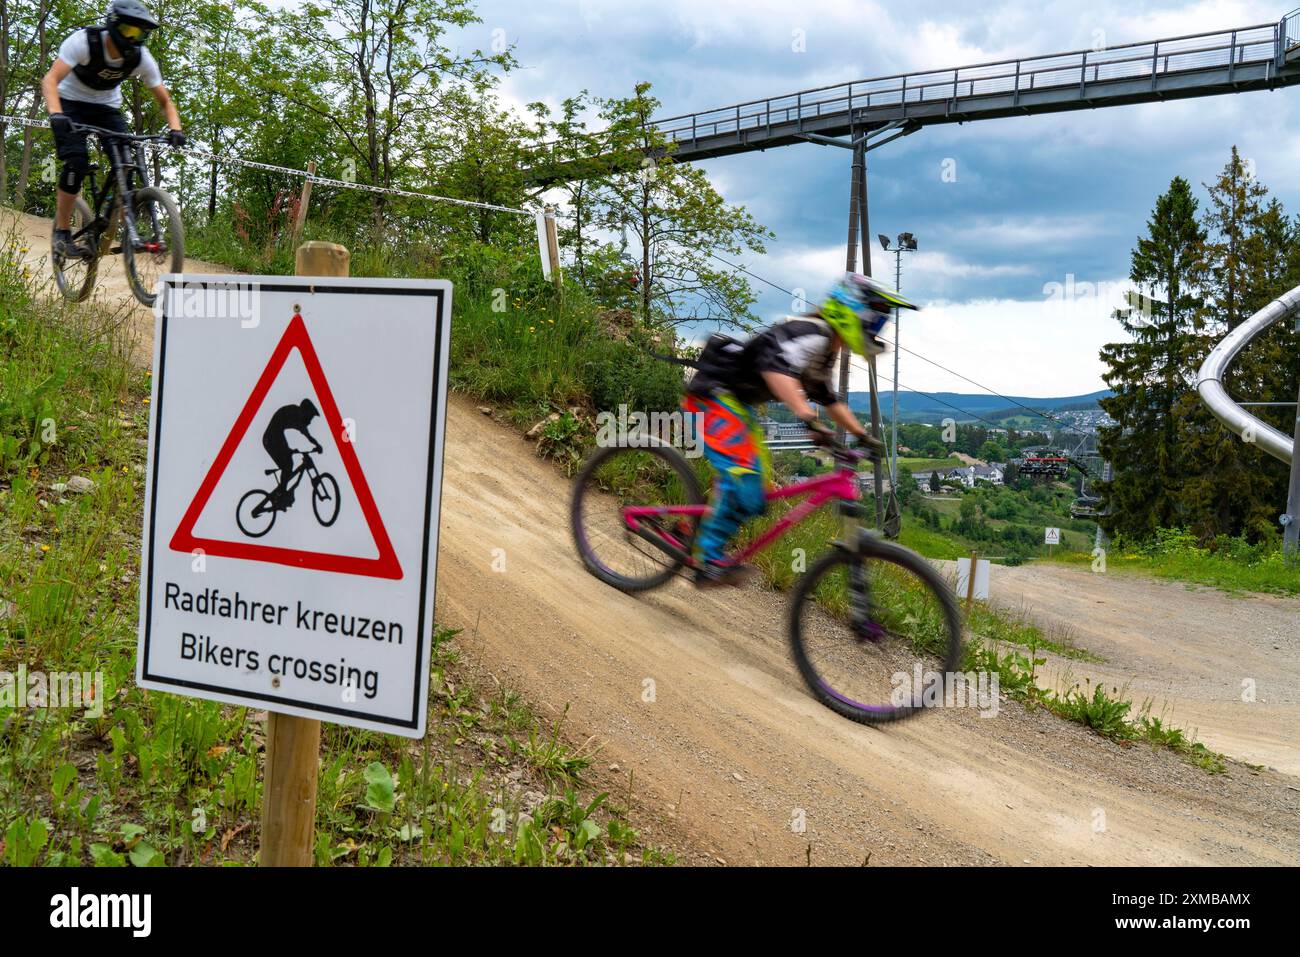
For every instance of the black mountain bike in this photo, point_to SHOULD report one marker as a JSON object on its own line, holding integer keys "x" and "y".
{"x": 257, "y": 509}
{"x": 152, "y": 237}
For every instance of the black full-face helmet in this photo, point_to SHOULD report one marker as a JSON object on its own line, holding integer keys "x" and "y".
{"x": 129, "y": 23}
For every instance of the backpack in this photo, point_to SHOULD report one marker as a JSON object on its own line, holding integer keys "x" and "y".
{"x": 719, "y": 363}
{"x": 721, "y": 360}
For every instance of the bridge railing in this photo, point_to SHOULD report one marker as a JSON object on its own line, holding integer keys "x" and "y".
{"x": 1288, "y": 35}
{"x": 1201, "y": 51}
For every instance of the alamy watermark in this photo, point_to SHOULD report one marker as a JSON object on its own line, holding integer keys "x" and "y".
{"x": 946, "y": 689}
{"x": 1080, "y": 299}
{"x": 639, "y": 430}
{"x": 82, "y": 690}
{"x": 214, "y": 300}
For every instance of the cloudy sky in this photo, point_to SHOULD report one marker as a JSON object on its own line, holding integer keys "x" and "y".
{"x": 1035, "y": 201}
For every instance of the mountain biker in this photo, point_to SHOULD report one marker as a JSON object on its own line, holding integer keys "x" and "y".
{"x": 790, "y": 362}
{"x": 83, "y": 87}
{"x": 287, "y": 418}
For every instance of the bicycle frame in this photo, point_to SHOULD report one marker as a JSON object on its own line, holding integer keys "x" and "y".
{"x": 125, "y": 160}
{"x": 839, "y": 485}
{"x": 306, "y": 467}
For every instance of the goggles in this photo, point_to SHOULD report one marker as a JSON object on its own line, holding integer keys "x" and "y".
{"x": 132, "y": 32}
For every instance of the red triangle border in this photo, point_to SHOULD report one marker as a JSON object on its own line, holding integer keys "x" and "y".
{"x": 385, "y": 565}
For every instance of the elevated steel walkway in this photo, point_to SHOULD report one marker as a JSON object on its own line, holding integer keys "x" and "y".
{"x": 1260, "y": 57}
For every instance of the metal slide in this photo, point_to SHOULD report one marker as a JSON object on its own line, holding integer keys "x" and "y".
{"x": 1209, "y": 380}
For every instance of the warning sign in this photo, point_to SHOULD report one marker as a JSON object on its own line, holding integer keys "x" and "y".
{"x": 292, "y": 496}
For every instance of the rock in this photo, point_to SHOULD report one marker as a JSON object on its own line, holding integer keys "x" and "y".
{"x": 615, "y": 767}
{"x": 80, "y": 484}
{"x": 737, "y": 775}
{"x": 536, "y": 430}
{"x": 485, "y": 409}
{"x": 59, "y": 487}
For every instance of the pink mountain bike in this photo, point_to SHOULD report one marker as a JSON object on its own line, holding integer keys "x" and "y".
{"x": 871, "y": 624}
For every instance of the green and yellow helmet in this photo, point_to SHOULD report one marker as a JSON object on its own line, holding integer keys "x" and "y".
{"x": 858, "y": 308}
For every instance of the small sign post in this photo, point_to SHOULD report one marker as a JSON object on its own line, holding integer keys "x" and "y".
{"x": 973, "y": 578}
{"x": 1052, "y": 536}
{"x": 291, "y": 515}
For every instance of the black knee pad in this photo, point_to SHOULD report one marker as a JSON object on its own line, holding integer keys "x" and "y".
{"x": 70, "y": 181}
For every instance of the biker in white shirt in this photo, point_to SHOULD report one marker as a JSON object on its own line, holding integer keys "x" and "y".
{"x": 84, "y": 87}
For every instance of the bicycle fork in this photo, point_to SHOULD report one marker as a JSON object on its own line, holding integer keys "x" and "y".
{"x": 861, "y": 619}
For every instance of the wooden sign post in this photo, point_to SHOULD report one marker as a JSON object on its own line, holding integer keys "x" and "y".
{"x": 970, "y": 579}
{"x": 293, "y": 743}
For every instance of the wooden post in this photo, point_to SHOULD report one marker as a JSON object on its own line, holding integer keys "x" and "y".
{"x": 553, "y": 246}
{"x": 970, "y": 580}
{"x": 304, "y": 199}
{"x": 293, "y": 743}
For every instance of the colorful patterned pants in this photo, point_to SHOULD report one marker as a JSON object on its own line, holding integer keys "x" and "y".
{"x": 734, "y": 446}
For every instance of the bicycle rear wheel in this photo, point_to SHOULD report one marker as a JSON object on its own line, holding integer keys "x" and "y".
{"x": 614, "y": 478}
{"x": 255, "y": 513}
{"x": 76, "y": 277}
{"x": 160, "y": 242}
{"x": 863, "y": 626}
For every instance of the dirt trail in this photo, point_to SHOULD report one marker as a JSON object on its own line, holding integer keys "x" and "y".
{"x": 735, "y": 751}
{"x": 736, "y": 762}
{"x": 1191, "y": 651}
{"x": 111, "y": 288}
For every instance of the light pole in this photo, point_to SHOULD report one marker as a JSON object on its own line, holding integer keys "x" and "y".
{"x": 906, "y": 243}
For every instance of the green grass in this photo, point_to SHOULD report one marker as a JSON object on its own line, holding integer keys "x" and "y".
{"x": 906, "y": 464}
{"x": 160, "y": 779}
{"x": 1230, "y": 564}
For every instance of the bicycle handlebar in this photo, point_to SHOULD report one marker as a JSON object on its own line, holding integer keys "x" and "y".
{"x": 114, "y": 134}
{"x": 842, "y": 452}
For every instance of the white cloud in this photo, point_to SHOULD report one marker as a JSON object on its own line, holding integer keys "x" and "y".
{"x": 1035, "y": 348}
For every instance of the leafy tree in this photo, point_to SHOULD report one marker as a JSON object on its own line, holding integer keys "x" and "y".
{"x": 678, "y": 222}
{"x": 380, "y": 73}
{"x": 486, "y": 146}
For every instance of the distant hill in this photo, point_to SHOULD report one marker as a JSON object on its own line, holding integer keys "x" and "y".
{"x": 914, "y": 407}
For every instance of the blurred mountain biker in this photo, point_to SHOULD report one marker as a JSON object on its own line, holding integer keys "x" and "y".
{"x": 790, "y": 362}
{"x": 83, "y": 87}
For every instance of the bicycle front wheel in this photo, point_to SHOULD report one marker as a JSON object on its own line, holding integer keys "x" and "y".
{"x": 159, "y": 246}
{"x": 325, "y": 499}
{"x": 876, "y": 634}
{"x": 614, "y": 478}
{"x": 75, "y": 276}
